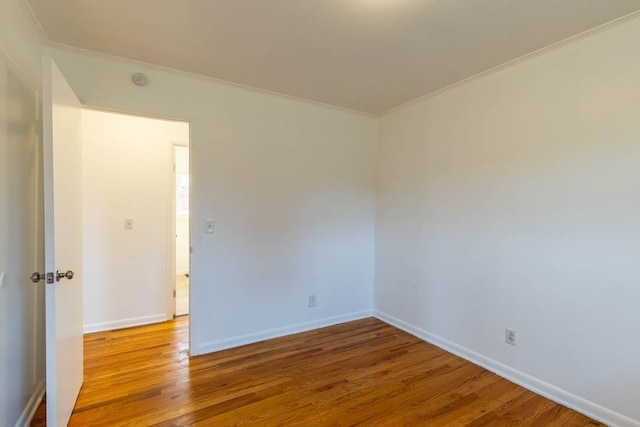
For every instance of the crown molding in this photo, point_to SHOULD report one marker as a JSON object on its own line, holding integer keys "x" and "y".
{"x": 526, "y": 57}
{"x": 28, "y": 12}
{"x": 108, "y": 57}
{"x": 41, "y": 34}
{"x": 48, "y": 43}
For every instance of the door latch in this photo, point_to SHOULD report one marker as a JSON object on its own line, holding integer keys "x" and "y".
{"x": 36, "y": 277}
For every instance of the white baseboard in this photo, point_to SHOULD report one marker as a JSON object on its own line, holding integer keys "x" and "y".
{"x": 586, "y": 407}
{"x": 279, "y": 332}
{"x": 32, "y": 406}
{"x": 124, "y": 323}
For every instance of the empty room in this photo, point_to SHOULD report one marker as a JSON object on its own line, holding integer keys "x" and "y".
{"x": 393, "y": 213}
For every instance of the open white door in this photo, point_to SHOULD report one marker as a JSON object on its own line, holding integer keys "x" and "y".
{"x": 61, "y": 115}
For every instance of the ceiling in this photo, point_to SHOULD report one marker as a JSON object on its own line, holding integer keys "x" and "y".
{"x": 364, "y": 55}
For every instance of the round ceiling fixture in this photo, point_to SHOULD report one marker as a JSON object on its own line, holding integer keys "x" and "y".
{"x": 140, "y": 79}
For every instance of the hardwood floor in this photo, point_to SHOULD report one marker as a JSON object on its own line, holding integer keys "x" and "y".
{"x": 182, "y": 295}
{"x": 359, "y": 373}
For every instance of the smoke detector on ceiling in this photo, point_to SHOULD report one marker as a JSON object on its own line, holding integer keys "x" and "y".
{"x": 140, "y": 79}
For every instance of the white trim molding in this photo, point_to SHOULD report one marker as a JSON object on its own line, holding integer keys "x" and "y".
{"x": 32, "y": 406}
{"x": 125, "y": 323}
{"x": 227, "y": 343}
{"x": 28, "y": 12}
{"x": 515, "y": 61}
{"x": 213, "y": 80}
{"x": 570, "y": 400}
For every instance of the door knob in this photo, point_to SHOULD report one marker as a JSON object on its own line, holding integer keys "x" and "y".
{"x": 36, "y": 277}
{"x": 60, "y": 275}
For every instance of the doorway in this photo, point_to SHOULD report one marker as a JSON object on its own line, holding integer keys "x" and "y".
{"x": 128, "y": 219}
{"x": 182, "y": 245}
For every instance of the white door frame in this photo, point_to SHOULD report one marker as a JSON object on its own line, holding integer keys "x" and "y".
{"x": 172, "y": 230}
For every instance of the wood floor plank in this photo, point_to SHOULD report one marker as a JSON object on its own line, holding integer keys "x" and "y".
{"x": 362, "y": 373}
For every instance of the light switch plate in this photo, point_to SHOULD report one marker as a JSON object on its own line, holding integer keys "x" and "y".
{"x": 209, "y": 226}
{"x": 128, "y": 224}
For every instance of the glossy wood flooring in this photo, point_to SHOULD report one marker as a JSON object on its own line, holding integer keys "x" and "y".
{"x": 359, "y": 373}
{"x": 182, "y": 295}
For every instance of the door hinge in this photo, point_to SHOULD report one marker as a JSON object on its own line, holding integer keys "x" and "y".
{"x": 174, "y": 293}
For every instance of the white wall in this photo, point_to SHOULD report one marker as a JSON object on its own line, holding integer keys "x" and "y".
{"x": 513, "y": 201}
{"x": 289, "y": 183}
{"x": 510, "y": 201}
{"x": 21, "y": 302}
{"x": 127, "y": 173}
{"x": 181, "y": 161}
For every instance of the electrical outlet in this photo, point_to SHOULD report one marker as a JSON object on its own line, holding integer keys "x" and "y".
{"x": 312, "y": 301}
{"x": 510, "y": 336}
